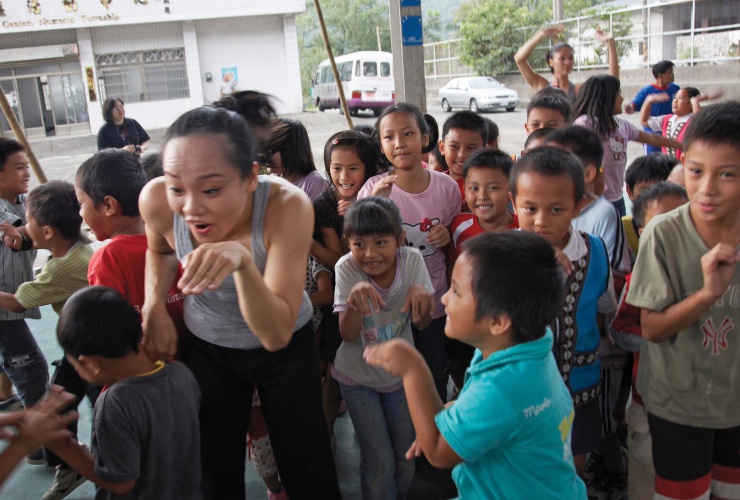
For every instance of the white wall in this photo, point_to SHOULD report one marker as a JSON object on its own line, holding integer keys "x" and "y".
{"x": 256, "y": 46}
{"x": 151, "y": 114}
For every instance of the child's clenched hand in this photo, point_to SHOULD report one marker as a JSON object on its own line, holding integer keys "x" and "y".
{"x": 394, "y": 356}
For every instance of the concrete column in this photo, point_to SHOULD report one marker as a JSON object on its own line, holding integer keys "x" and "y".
{"x": 192, "y": 63}
{"x": 408, "y": 52}
{"x": 87, "y": 60}
{"x": 292, "y": 65}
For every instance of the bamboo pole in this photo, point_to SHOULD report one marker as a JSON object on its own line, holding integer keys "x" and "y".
{"x": 21, "y": 137}
{"x": 327, "y": 44}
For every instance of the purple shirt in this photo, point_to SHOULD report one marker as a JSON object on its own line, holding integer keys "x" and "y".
{"x": 313, "y": 184}
{"x": 615, "y": 154}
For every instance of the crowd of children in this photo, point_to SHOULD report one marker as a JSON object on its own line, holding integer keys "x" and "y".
{"x": 589, "y": 351}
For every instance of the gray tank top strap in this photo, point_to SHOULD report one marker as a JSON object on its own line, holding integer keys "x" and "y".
{"x": 214, "y": 315}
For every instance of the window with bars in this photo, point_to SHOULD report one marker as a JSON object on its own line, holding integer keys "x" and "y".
{"x": 148, "y": 75}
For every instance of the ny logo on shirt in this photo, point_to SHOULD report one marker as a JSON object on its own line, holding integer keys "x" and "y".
{"x": 717, "y": 337}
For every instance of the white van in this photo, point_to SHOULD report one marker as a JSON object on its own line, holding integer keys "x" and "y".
{"x": 367, "y": 78}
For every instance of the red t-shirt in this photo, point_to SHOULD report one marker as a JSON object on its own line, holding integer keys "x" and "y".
{"x": 120, "y": 265}
{"x": 465, "y": 226}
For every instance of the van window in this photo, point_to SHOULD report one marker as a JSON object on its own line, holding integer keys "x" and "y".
{"x": 385, "y": 69}
{"x": 345, "y": 71}
{"x": 327, "y": 75}
{"x": 357, "y": 69}
{"x": 370, "y": 69}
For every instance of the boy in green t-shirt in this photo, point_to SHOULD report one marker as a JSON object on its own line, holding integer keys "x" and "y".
{"x": 53, "y": 224}
{"x": 686, "y": 283}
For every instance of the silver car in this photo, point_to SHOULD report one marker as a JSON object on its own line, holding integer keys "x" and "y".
{"x": 477, "y": 93}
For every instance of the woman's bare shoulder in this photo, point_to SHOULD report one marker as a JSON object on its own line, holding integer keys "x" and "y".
{"x": 154, "y": 208}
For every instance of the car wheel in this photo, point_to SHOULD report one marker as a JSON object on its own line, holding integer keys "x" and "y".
{"x": 377, "y": 111}
{"x": 474, "y": 106}
{"x": 320, "y": 106}
{"x": 511, "y": 109}
{"x": 446, "y": 106}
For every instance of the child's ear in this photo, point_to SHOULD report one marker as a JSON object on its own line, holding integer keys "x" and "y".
{"x": 441, "y": 146}
{"x": 629, "y": 193}
{"x": 401, "y": 238}
{"x": 579, "y": 205}
{"x": 112, "y": 206}
{"x": 526, "y": 127}
{"x": 590, "y": 174}
{"x": 425, "y": 140}
{"x": 513, "y": 201}
{"x": 48, "y": 232}
{"x": 90, "y": 363}
{"x": 500, "y": 324}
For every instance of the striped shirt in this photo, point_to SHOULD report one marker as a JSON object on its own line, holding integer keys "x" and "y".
{"x": 16, "y": 267}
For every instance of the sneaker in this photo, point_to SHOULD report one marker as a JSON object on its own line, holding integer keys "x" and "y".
{"x": 11, "y": 404}
{"x": 36, "y": 457}
{"x": 281, "y": 495}
{"x": 66, "y": 480}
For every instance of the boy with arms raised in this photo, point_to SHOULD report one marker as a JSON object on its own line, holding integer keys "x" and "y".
{"x": 146, "y": 442}
{"x": 501, "y": 422}
{"x": 686, "y": 281}
{"x": 463, "y": 134}
{"x": 547, "y": 189}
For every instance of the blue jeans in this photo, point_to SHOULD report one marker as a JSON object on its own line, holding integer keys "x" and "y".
{"x": 385, "y": 432}
{"x": 23, "y": 361}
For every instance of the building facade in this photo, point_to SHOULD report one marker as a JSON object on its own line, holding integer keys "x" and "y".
{"x": 60, "y": 59}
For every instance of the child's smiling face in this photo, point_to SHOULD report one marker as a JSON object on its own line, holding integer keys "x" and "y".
{"x": 712, "y": 176}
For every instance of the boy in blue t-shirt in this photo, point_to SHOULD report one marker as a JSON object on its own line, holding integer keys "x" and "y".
{"x": 514, "y": 409}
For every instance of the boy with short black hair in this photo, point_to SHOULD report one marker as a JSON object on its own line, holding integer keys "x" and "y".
{"x": 53, "y": 224}
{"x": 663, "y": 73}
{"x": 686, "y": 282}
{"x": 597, "y": 216}
{"x": 22, "y": 360}
{"x": 536, "y": 139}
{"x": 108, "y": 185}
{"x": 463, "y": 134}
{"x": 146, "y": 442}
{"x": 500, "y": 423}
{"x": 548, "y": 109}
{"x": 641, "y": 174}
{"x": 626, "y": 333}
{"x": 547, "y": 189}
{"x": 486, "y": 176}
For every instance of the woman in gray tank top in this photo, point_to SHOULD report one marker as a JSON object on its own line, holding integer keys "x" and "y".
{"x": 560, "y": 61}
{"x": 243, "y": 241}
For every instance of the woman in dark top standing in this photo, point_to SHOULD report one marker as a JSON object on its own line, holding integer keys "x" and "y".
{"x": 121, "y": 132}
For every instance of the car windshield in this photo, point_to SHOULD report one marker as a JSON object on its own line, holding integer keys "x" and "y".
{"x": 484, "y": 83}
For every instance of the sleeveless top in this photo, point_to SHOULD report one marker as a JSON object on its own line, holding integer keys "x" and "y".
{"x": 214, "y": 315}
{"x": 571, "y": 93}
{"x": 576, "y": 334}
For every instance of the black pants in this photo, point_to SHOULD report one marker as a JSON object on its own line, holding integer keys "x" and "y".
{"x": 66, "y": 376}
{"x": 289, "y": 385}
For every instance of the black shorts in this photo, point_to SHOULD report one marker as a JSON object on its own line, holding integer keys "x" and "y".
{"x": 586, "y": 434}
{"x": 691, "y": 461}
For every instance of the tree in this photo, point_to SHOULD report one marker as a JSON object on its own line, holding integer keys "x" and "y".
{"x": 432, "y": 26}
{"x": 493, "y": 30}
{"x": 351, "y": 25}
